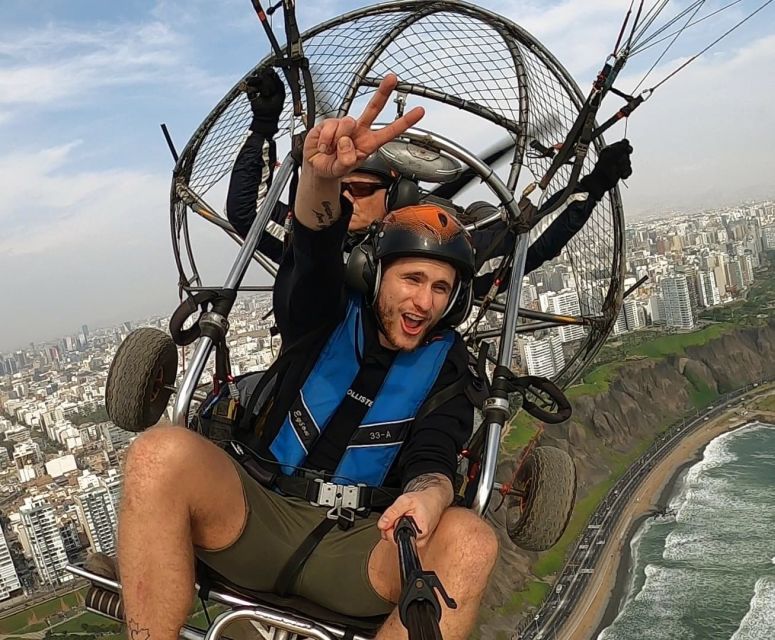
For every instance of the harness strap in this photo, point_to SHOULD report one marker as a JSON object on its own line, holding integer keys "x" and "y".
{"x": 305, "y": 488}
{"x": 295, "y": 563}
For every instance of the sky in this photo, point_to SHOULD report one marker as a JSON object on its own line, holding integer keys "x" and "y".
{"x": 85, "y": 172}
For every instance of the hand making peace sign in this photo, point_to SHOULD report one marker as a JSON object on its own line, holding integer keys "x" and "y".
{"x": 336, "y": 146}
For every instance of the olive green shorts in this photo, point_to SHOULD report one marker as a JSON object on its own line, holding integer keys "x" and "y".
{"x": 335, "y": 575}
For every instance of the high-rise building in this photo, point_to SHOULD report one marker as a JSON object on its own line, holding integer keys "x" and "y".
{"x": 9, "y": 579}
{"x": 529, "y": 296}
{"x": 629, "y": 318}
{"x": 678, "y": 309}
{"x": 632, "y": 314}
{"x": 734, "y": 274}
{"x": 768, "y": 237}
{"x": 542, "y": 356}
{"x": 709, "y": 295}
{"x": 566, "y": 303}
{"x": 98, "y": 516}
{"x": 48, "y": 549}
{"x": 113, "y": 484}
{"x": 115, "y": 437}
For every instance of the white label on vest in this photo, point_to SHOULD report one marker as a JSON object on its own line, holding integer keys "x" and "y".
{"x": 360, "y": 398}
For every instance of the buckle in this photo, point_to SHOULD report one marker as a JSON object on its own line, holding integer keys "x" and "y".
{"x": 340, "y": 497}
{"x": 344, "y": 516}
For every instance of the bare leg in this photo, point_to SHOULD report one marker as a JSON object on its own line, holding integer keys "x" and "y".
{"x": 462, "y": 551}
{"x": 180, "y": 490}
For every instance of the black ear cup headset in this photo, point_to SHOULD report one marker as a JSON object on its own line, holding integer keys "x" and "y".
{"x": 389, "y": 239}
{"x": 401, "y": 192}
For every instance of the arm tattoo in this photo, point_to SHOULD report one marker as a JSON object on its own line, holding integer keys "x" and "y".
{"x": 325, "y": 218}
{"x": 425, "y": 481}
{"x": 136, "y": 632}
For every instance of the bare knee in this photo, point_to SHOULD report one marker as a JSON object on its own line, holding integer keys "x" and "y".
{"x": 468, "y": 548}
{"x": 158, "y": 456}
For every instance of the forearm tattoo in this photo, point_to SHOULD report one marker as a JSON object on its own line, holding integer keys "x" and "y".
{"x": 325, "y": 218}
{"x": 136, "y": 632}
{"x": 425, "y": 481}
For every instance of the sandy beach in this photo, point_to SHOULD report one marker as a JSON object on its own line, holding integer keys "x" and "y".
{"x": 593, "y": 607}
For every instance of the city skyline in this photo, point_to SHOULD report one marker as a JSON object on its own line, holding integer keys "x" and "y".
{"x": 86, "y": 172}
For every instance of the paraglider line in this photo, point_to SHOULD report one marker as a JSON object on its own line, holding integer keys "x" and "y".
{"x": 716, "y": 41}
{"x": 647, "y": 44}
{"x": 667, "y": 48}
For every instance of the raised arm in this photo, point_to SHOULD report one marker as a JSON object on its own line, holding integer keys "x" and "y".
{"x": 309, "y": 290}
{"x": 338, "y": 146}
{"x": 253, "y": 168}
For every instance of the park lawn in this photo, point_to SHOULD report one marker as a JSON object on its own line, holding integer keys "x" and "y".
{"x": 767, "y": 403}
{"x": 87, "y": 618}
{"x": 34, "y": 618}
{"x": 700, "y": 393}
{"x": 531, "y": 596}
{"x": 676, "y": 344}
{"x": 596, "y": 381}
{"x": 521, "y": 429}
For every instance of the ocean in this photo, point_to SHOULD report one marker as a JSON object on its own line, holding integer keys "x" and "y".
{"x": 705, "y": 570}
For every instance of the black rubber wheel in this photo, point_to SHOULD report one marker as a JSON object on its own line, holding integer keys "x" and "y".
{"x": 135, "y": 393}
{"x": 536, "y": 521}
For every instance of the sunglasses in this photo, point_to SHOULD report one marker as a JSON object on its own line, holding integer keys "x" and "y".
{"x": 362, "y": 189}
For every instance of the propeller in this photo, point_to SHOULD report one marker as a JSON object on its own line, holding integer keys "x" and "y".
{"x": 449, "y": 190}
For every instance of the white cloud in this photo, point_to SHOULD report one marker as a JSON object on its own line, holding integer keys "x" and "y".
{"x": 52, "y": 64}
{"x": 47, "y": 208}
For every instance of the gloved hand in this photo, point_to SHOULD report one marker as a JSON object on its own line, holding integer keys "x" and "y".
{"x": 613, "y": 164}
{"x": 266, "y": 93}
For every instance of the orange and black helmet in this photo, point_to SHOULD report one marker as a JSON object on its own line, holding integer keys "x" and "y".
{"x": 426, "y": 231}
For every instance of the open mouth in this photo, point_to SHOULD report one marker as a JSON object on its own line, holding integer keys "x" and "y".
{"x": 412, "y": 324}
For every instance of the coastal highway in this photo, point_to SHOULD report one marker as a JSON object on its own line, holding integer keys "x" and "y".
{"x": 577, "y": 574}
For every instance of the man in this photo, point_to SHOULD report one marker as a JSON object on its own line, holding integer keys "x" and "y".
{"x": 369, "y": 187}
{"x": 348, "y": 402}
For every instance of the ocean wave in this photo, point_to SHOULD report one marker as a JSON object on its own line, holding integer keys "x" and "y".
{"x": 763, "y": 456}
{"x": 635, "y": 543}
{"x": 680, "y": 490}
{"x": 717, "y": 453}
{"x": 759, "y": 622}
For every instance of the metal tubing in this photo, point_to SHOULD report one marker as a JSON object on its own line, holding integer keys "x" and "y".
{"x": 258, "y": 610}
{"x": 487, "y": 479}
{"x": 194, "y": 372}
{"x": 511, "y": 313}
{"x": 205, "y": 211}
{"x": 488, "y": 176}
{"x": 541, "y": 315}
{"x": 295, "y": 625}
{"x": 190, "y": 633}
{"x": 233, "y": 280}
{"x": 254, "y": 235}
{"x": 107, "y": 583}
{"x": 505, "y": 349}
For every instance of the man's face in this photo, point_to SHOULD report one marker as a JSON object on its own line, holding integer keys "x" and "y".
{"x": 413, "y": 294}
{"x": 367, "y": 194}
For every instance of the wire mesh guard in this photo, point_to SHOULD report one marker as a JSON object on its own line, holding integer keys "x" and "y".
{"x": 460, "y": 61}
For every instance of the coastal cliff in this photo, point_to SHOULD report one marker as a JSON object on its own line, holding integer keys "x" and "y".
{"x": 609, "y": 428}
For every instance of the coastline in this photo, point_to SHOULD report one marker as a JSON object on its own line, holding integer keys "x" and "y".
{"x": 598, "y": 607}
{"x": 619, "y": 591}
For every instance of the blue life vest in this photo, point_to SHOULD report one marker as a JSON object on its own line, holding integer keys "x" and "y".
{"x": 374, "y": 445}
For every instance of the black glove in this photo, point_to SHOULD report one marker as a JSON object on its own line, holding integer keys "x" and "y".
{"x": 613, "y": 164}
{"x": 266, "y": 93}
